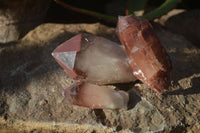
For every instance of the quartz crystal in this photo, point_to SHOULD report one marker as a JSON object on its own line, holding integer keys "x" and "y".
{"x": 147, "y": 57}
{"x": 65, "y": 54}
{"x": 94, "y": 59}
{"x": 96, "y": 97}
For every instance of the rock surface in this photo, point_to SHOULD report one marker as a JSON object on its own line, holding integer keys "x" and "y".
{"x": 187, "y": 21}
{"x": 31, "y": 85}
{"x": 14, "y": 26}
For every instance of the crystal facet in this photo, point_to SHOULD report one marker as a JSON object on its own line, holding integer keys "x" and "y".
{"x": 68, "y": 58}
{"x": 147, "y": 57}
{"x": 65, "y": 54}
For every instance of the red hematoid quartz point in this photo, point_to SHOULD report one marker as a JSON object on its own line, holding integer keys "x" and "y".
{"x": 147, "y": 57}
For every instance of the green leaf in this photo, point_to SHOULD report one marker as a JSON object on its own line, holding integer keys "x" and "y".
{"x": 161, "y": 10}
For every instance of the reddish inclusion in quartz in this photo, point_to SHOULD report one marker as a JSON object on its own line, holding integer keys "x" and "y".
{"x": 147, "y": 57}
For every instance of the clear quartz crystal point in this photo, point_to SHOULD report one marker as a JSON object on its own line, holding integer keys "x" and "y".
{"x": 94, "y": 59}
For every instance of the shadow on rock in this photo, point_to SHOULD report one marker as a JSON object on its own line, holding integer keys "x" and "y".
{"x": 134, "y": 98}
{"x": 184, "y": 56}
{"x": 185, "y": 63}
{"x": 195, "y": 89}
{"x": 101, "y": 117}
{"x": 24, "y": 64}
{"x": 188, "y": 28}
{"x": 25, "y": 60}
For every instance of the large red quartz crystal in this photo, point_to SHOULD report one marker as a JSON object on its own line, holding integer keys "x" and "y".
{"x": 147, "y": 57}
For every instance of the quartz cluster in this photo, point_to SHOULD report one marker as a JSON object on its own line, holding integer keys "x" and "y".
{"x": 95, "y": 61}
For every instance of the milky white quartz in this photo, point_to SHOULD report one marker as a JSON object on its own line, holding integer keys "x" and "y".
{"x": 103, "y": 61}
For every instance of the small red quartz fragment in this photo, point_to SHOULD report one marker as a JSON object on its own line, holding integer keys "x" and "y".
{"x": 147, "y": 57}
{"x": 96, "y": 97}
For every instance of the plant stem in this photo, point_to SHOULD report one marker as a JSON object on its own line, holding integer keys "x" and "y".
{"x": 87, "y": 12}
{"x": 164, "y": 8}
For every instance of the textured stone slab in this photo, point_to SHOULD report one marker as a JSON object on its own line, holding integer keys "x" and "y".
{"x": 31, "y": 85}
{"x": 189, "y": 28}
